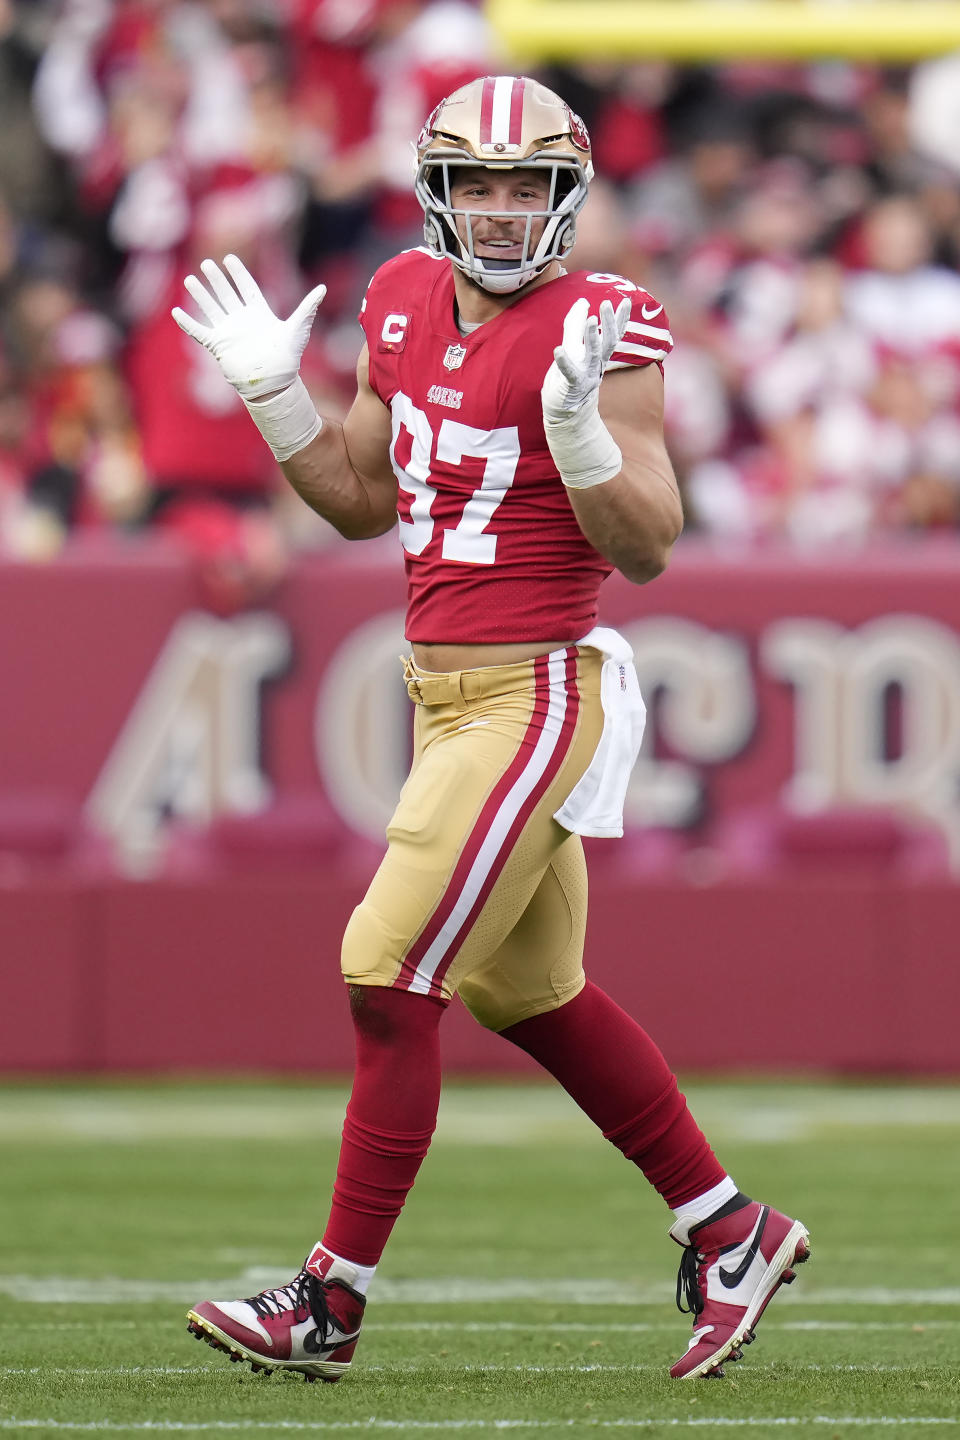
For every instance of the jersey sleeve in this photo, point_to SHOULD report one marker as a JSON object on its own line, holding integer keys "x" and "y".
{"x": 647, "y": 340}
{"x": 378, "y": 325}
{"x": 386, "y": 314}
{"x": 368, "y": 310}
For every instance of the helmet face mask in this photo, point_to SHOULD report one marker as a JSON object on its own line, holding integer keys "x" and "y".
{"x": 502, "y": 124}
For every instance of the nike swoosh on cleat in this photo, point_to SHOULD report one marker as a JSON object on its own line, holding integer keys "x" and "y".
{"x": 314, "y": 1347}
{"x": 649, "y": 314}
{"x": 731, "y": 1278}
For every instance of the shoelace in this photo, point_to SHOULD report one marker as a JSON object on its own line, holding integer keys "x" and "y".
{"x": 688, "y": 1284}
{"x": 305, "y": 1292}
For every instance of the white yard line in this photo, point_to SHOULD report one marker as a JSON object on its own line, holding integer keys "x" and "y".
{"x": 493, "y": 1327}
{"x": 102, "y": 1323}
{"x": 453, "y": 1369}
{"x": 443, "y": 1290}
{"x": 420, "y": 1426}
{"x": 104, "y": 1369}
{"x": 496, "y": 1115}
{"x": 578, "y": 1327}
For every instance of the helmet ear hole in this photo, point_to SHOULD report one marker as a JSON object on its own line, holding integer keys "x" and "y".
{"x": 566, "y": 182}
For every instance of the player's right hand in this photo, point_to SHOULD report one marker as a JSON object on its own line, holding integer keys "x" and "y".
{"x": 257, "y": 351}
{"x": 573, "y": 379}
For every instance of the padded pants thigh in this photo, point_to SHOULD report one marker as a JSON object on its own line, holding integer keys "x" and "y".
{"x": 539, "y": 966}
{"x": 473, "y": 845}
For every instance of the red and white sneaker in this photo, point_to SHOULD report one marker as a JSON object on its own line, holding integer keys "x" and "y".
{"x": 731, "y": 1269}
{"x": 311, "y": 1325}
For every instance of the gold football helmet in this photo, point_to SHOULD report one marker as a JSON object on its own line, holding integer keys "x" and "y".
{"x": 503, "y": 122}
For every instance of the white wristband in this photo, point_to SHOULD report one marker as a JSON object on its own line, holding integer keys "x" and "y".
{"x": 583, "y": 449}
{"x": 287, "y": 421}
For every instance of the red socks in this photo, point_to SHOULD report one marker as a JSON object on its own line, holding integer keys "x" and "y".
{"x": 601, "y": 1057}
{"x": 390, "y": 1118}
{"x": 616, "y": 1074}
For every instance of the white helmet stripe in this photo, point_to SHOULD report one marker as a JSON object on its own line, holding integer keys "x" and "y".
{"x": 500, "y": 120}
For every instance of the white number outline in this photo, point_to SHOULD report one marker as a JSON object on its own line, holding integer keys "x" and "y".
{"x": 466, "y": 543}
{"x": 626, "y": 287}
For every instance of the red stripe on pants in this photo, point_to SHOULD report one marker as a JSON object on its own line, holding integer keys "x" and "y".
{"x": 516, "y": 111}
{"x": 557, "y": 757}
{"x": 487, "y": 817}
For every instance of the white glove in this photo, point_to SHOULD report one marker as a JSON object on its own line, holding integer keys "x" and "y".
{"x": 257, "y": 352}
{"x": 582, "y": 447}
{"x": 577, "y": 369}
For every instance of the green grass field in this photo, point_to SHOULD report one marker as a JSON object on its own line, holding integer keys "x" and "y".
{"x": 529, "y": 1284}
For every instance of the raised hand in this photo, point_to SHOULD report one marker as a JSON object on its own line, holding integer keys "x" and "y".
{"x": 578, "y": 362}
{"x": 257, "y": 351}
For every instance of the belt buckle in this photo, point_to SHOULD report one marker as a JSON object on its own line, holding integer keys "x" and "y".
{"x": 411, "y": 679}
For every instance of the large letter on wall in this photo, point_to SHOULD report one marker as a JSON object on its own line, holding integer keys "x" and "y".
{"x": 190, "y": 746}
{"x": 362, "y": 726}
{"x": 842, "y": 681}
{"x": 706, "y": 714}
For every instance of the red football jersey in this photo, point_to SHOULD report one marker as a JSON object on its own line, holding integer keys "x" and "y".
{"x": 492, "y": 547}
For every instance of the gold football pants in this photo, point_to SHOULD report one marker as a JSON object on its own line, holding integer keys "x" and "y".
{"x": 481, "y": 891}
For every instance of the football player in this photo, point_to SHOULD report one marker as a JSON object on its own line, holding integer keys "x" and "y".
{"x": 508, "y": 419}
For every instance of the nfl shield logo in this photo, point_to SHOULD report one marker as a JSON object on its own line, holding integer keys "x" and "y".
{"x": 455, "y": 356}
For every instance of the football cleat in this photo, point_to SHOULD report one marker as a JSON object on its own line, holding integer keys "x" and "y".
{"x": 731, "y": 1269}
{"x": 310, "y": 1326}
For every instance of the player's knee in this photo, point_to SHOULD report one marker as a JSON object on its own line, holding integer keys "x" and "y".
{"x": 386, "y": 1018}
{"x": 359, "y": 1009}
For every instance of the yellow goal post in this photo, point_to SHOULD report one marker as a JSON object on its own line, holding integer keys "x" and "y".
{"x": 887, "y": 31}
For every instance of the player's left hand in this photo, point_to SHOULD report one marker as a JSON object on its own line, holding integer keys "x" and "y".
{"x": 578, "y": 363}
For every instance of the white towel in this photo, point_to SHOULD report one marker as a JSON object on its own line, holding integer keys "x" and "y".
{"x": 595, "y": 804}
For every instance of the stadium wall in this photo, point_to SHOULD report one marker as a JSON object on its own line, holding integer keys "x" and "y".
{"x": 191, "y": 804}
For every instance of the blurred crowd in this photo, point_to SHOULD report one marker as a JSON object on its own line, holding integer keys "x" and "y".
{"x": 801, "y": 222}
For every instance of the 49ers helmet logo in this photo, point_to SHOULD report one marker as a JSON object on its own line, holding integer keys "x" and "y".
{"x": 578, "y": 131}
{"x": 428, "y": 125}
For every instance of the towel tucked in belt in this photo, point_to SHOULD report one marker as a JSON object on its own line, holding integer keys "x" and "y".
{"x": 595, "y": 804}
